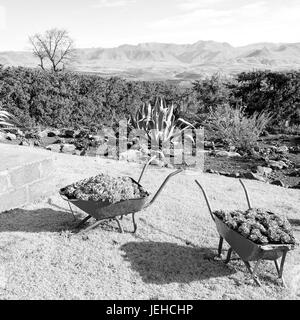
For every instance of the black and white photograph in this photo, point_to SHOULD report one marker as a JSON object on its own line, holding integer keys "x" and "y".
{"x": 150, "y": 153}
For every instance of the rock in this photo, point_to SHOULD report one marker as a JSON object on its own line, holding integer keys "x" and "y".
{"x": 132, "y": 155}
{"x": 83, "y": 134}
{"x": 277, "y": 165}
{"x": 264, "y": 171}
{"x": 209, "y": 145}
{"x": 253, "y": 176}
{"x": 278, "y": 183}
{"x": 54, "y": 147}
{"x": 3, "y": 136}
{"x": 222, "y": 154}
{"x": 68, "y": 148}
{"x": 11, "y": 136}
{"x": 297, "y": 186}
{"x": 234, "y": 175}
{"x": 31, "y": 135}
{"x": 25, "y": 143}
{"x": 97, "y": 138}
{"x": 283, "y": 149}
{"x": 295, "y": 173}
{"x": 227, "y": 154}
{"x": 102, "y": 150}
{"x": 53, "y": 133}
{"x": 294, "y": 149}
{"x": 69, "y": 133}
{"x": 43, "y": 134}
{"x": 157, "y": 162}
{"x": 15, "y": 131}
{"x": 60, "y": 141}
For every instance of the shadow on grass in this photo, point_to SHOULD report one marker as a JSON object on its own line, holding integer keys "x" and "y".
{"x": 41, "y": 220}
{"x": 163, "y": 263}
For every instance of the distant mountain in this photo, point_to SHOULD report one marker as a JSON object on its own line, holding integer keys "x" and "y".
{"x": 158, "y": 61}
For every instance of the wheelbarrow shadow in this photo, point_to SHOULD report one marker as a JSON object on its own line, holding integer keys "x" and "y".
{"x": 40, "y": 220}
{"x": 164, "y": 263}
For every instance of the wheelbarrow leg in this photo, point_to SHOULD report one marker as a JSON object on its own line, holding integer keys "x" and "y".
{"x": 119, "y": 224}
{"x": 253, "y": 275}
{"x": 83, "y": 221}
{"x": 228, "y": 255}
{"x": 280, "y": 269}
{"x": 220, "y": 247}
{"x": 74, "y": 218}
{"x": 134, "y": 223}
{"x": 94, "y": 225}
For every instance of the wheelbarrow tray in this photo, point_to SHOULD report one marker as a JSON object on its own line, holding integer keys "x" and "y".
{"x": 106, "y": 210}
{"x": 247, "y": 249}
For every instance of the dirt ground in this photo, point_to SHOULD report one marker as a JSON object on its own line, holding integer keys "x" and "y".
{"x": 172, "y": 255}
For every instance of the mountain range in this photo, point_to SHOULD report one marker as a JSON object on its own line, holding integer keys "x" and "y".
{"x": 161, "y": 61}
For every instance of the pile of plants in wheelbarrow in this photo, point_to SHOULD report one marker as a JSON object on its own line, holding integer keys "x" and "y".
{"x": 259, "y": 226}
{"x": 106, "y": 188}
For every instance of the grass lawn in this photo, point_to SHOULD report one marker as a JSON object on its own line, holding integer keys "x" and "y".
{"x": 172, "y": 255}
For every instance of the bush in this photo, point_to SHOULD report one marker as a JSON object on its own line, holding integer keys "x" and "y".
{"x": 233, "y": 127}
{"x": 67, "y": 99}
{"x": 272, "y": 91}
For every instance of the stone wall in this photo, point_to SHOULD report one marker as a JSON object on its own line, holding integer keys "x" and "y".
{"x": 26, "y": 176}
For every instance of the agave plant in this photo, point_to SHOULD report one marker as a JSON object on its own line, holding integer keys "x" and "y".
{"x": 6, "y": 119}
{"x": 159, "y": 123}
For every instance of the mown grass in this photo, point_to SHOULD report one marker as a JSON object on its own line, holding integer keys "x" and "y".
{"x": 172, "y": 255}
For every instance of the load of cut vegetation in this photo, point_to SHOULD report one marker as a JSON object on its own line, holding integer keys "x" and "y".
{"x": 105, "y": 188}
{"x": 259, "y": 226}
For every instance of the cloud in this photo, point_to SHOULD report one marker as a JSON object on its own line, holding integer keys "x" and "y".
{"x": 113, "y": 3}
{"x": 238, "y": 24}
{"x": 2, "y": 18}
{"x": 196, "y": 4}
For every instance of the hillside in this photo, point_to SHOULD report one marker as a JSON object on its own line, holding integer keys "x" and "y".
{"x": 154, "y": 61}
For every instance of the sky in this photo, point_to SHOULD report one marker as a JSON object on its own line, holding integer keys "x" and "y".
{"x": 109, "y": 23}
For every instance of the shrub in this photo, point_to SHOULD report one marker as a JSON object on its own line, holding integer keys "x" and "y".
{"x": 233, "y": 127}
{"x": 159, "y": 122}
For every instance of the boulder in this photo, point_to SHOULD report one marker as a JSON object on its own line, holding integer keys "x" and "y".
{"x": 43, "y": 134}
{"x": 227, "y": 154}
{"x": 15, "y": 131}
{"x": 277, "y": 165}
{"x": 2, "y": 136}
{"x": 25, "y": 143}
{"x": 53, "y": 133}
{"x": 102, "y": 150}
{"x": 264, "y": 171}
{"x": 222, "y": 153}
{"x": 132, "y": 155}
{"x": 69, "y": 133}
{"x": 283, "y": 149}
{"x": 253, "y": 176}
{"x": 54, "y": 147}
{"x": 297, "y": 186}
{"x": 68, "y": 148}
{"x": 11, "y": 136}
{"x": 278, "y": 183}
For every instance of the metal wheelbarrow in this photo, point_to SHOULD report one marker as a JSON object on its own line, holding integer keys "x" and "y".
{"x": 246, "y": 249}
{"x": 102, "y": 210}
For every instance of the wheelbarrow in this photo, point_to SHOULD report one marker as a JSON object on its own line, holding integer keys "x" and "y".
{"x": 104, "y": 210}
{"x": 246, "y": 249}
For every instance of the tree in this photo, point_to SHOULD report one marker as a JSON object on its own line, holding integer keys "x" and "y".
{"x": 55, "y": 46}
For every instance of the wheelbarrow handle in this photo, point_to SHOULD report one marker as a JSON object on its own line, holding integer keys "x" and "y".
{"x": 145, "y": 167}
{"x": 163, "y": 185}
{"x": 206, "y": 199}
{"x": 67, "y": 199}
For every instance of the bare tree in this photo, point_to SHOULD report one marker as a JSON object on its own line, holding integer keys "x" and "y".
{"x": 54, "y": 46}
